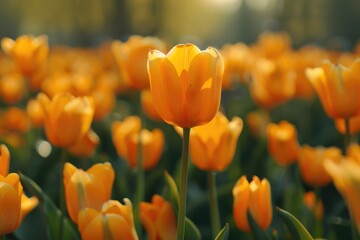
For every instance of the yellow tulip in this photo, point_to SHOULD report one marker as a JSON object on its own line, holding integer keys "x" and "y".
{"x": 4, "y": 160}
{"x": 311, "y": 161}
{"x": 10, "y": 203}
{"x": 29, "y": 52}
{"x": 159, "y": 219}
{"x": 255, "y": 197}
{"x": 67, "y": 118}
{"x": 126, "y": 136}
{"x": 114, "y": 221}
{"x": 337, "y": 87}
{"x": 186, "y": 84}
{"x": 282, "y": 142}
{"x": 88, "y": 189}
{"x": 131, "y": 57}
{"x": 213, "y": 145}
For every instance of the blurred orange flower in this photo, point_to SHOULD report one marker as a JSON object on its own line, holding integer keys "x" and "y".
{"x": 186, "y": 84}
{"x": 86, "y": 145}
{"x": 257, "y": 122}
{"x": 29, "y": 52}
{"x": 4, "y": 160}
{"x": 67, "y": 118}
{"x": 354, "y": 125}
{"x": 104, "y": 101}
{"x": 337, "y": 87}
{"x": 35, "y": 112}
{"x": 272, "y": 44}
{"x": 158, "y": 218}
{"x": 311, "y": 161}
{"x": 131, "y": 57}
{"x": 12, "y": 87}
{"x": 282, "y": 142}
{"x": 213, "y": 145}
{"x": 126, "y": 136}
{"x": 313, "y": 204}
{"x": 255, "y": 197}
{"x": 88, "y": 189}
{"x": 147, "y": 104}
{"x": 113, "y": 221}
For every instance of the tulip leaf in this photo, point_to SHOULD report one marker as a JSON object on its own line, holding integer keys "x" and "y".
{"x": 224, "y": 233}
{"x": 297, "y": 230}
{"x": 50, "y": 211}
{"x": 173, "y": 189}
{"x": 191, "y": 230}
{"x": 255, "y": 228}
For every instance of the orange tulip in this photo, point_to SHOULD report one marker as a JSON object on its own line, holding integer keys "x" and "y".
{"x": 131, "y": 57}
{"x": 86, "y": 145}
{"x": 257, "y": 122}
{"x": 114, "y": 221}
{"x": 27, "y": 205}
{"x": 159, "y": 219}
{"x": 12, "y": 87}
{"x": 354, "y": 125}
{"x": 29, "y": 52}
{"x": 67, "y": 118}
{"x": 126, "y": 136}
{"x": 148, "y": 106}
{"x": 186, "y": 84}
{"x": 282, "y": 142}
{"x": 88, "y": 189}
{"x": 104, "y": 101}
{"x": 255, "y": 197}
{"x": 316, "y": 206}
{"x": 311, "y": 164}
{"x": 273, "y": 45}
{"x": 213, "y": 145}
{"x": 35, "y": 112}
{"x": 337, "y": 87}
{"x": 16, "y": 119}
{"x": 10, "y": 203}
{"x": 4, "y": 160}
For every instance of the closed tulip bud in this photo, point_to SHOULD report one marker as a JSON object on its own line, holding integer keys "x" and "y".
{"x": 88, "y": 189}
{"x": 29, "y": 52}
{"x": 282, "y": 142}
{"x": 4, "y": 160}
{"x": 126, "y": 137}
{"x": 67, "y": 118}
{"x": 255, "y": 197}
{"x": 213, "y": 145}
{"x": 86, "y": 145}
{"x": 186, "y": 84}
{"x": 159, "y": 219}
{"x": 337, "y": 87}
{"x": 12, "y": 87}
{"x": 114, "y": 221}
{"x": 131, "y": 57}
{"x": 10, "y": 203}
{"x": 311, "y": 164}
{"x": 35, "y": 112}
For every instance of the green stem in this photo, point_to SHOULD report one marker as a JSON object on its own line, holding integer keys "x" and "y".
{"x": 183, "y": 185}
{"x": 2, "y": 237}
{"x": 347, "y": 134}
{"x": 62, "y": 195}
{"x": 354, "y": 231}
{"x": 214, "y": 206}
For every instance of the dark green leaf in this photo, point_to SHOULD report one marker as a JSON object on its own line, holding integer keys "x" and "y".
{"x": 173, "y": 190}
{"x": 224, "y": 233}
{"x": 191, "y": 231}
{"x": 255, "y": 228}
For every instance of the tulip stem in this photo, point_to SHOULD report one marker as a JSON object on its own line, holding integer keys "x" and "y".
{"x": 347, "y": 134}
{"x": 214, "y": 206}
{"x": 3, "y": 237}
{"x": 62, "y": 197}
{"x": 183, "y": 185}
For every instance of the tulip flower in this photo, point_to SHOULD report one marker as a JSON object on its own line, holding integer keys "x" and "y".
{"x": 337, "y": 87}
{"x": 4, "y": 160}
{"x": 126, "y": 137}
{"x": 11, "y": 192}
{"x": 315, "y": 205}
{"x": 257, "y": 122}
{"x": 282, "y": 142}
{"x": 86, "y": 145}
{"x": 255, "y": 197}
{"x": 27, "y": 205}
{"x": 29, "y": 52}
{"x": 213, "y": 145}
{"x": 147, "y": 104}
{"x": 186, "y": 84}
{"x": 104, "y": 101}
{"x": 158, "y": 218}
{"x": 67, "y": 118}
{"x": 12, "y": 87}
{"x": 354, "y": 125}
{"x": 87, "y": 189}
{"x": 311, "y": 164}
{"x": 272, "y": 45}
{"x": 35, "y": 112}
{"x": 114, "y": 221}
{"x": 131, "y": 57}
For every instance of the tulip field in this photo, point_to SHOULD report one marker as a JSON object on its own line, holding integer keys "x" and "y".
{"x": 145, "y": 139}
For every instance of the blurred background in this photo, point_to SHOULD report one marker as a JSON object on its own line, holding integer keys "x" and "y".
{"x": 330, "y": 23}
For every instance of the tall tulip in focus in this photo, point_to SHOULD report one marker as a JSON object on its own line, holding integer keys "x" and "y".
{"x": 186, "y": 88}
{"x": 158, "y": 218}
{"x": 254, "y": 197}
{"x": 88, "y": 189}
{"x": 282, "y": 142}
{"x": 66, "y": 118}
{"x": 113, "y": 221}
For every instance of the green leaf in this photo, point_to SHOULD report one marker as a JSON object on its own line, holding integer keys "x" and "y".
{"x": 173, "y": 189}
{"x": 258, "y": 233}
{"x": 50, "y": 211}
{"x": 224, "y": 233}
{"x": 191, "y": 230}
{"x": 297, "y": 230}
